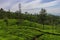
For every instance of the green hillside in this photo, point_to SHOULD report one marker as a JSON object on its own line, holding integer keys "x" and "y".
{"x": 26, "y": 31}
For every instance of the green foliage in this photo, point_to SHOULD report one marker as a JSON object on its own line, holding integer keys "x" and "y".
{"x": 29, "y": 24}
{"x": 26, "y": 31}
{"x": 41, "y": 18}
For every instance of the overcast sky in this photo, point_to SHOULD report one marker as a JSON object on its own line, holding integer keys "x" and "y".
{"x": 52, "y": 6}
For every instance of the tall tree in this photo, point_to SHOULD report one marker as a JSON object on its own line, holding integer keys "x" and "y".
{"x": 42, "y": 17}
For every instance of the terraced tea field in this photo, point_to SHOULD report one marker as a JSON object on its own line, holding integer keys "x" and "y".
{"x": 27, "y": 31}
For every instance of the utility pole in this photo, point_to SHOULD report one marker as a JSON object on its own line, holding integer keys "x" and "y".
{"x": 19, "y": 7}
{"x": 19, "y": 15}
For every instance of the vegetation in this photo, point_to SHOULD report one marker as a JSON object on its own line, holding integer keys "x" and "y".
{"x": 20, "y": 26}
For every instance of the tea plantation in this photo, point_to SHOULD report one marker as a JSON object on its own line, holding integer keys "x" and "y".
{"x": 27, "y": 31}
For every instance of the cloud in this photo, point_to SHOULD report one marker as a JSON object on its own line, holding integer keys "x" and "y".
{"x": 38, "y": 4}
{"x": 31, "y": 6}
{"x": 5, "y": 3}
{"x": 13, "y": 5}
{"x": 53, "y": 10}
